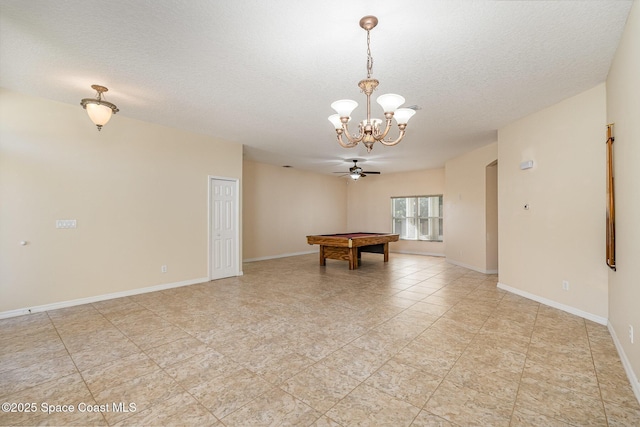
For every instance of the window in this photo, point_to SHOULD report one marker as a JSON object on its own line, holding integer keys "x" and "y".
{"x": 417, "y": 218}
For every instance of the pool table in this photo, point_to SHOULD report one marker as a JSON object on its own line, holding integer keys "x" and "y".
{"x": 348, "y": 246}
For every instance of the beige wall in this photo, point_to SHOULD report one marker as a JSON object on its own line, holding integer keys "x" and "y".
{"x": 465, "y": 209}
{"x": 369, "y": 204}
{"x": 284, "y": 205}
{"x": 623, "y": 109}
{"x": 138, "y": 192}
{"x": 561, "y": 237}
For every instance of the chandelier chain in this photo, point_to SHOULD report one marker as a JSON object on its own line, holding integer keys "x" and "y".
{"x": 369, "y": 57}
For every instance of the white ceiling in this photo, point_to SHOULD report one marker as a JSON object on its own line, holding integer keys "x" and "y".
{"x": 264, "y": 73}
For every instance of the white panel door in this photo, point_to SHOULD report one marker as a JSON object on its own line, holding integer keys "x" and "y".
{"x": 223, "y": 228}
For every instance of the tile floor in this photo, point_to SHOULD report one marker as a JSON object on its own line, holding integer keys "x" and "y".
{"x": 415, "y": 342}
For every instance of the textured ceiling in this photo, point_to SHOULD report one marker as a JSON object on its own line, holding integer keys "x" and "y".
{"x": 264, "y": 73}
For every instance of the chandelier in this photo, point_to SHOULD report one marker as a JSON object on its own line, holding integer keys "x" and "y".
{"x": 370, "y": 130}
{"x": 99, "y": 110}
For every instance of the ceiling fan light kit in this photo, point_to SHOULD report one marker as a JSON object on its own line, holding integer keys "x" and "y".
{"x": 370, "y": 130}
{"x": 356, "y": 172}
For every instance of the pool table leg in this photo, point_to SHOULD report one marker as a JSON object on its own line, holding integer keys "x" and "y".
{"x": 323, "y": 260}
{"x": 353, "y": 258}
{"x": 386, "y": 252}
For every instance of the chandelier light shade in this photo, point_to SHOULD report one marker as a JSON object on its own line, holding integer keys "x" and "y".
{"x": 370, "y": 130}
{"x": 99, "y": 110}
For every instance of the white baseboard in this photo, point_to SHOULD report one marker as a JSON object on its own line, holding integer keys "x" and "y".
{"x": 635, "y": 385}
{"x": 417, "y": 253}
{"x": 471, "y": 267}
{"x": 264, "y": 258}
{"x": 97, "y": 298}
{"x": 589, "y": 316}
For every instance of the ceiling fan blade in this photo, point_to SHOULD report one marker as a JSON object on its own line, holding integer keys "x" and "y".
{"x": 372, "y": 173}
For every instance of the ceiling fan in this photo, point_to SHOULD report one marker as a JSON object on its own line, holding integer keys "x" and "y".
{"x": 356, "y": 172}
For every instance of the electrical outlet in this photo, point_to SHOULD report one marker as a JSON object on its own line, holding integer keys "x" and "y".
{"x": 565, "y": 285}
{"x": 163, "y": 269}
{"x": 631, "y": 333}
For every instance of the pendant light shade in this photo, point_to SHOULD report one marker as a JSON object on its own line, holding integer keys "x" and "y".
{"x": 99, "y": 114}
